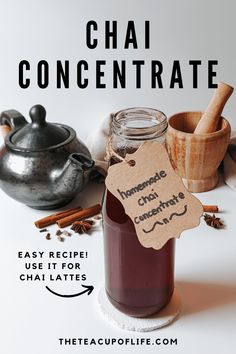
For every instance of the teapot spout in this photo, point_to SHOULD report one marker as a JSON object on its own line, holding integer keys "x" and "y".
{"x": 74, "y": 175}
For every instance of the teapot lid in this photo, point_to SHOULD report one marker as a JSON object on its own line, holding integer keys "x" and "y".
{"x": 39, "y": 134}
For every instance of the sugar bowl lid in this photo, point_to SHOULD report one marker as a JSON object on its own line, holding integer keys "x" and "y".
{"x": 39, "y": 134}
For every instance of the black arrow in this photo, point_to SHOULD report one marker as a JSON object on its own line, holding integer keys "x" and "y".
{"x": 88, "y": 289}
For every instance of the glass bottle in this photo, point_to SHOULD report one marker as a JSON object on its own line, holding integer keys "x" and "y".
{"x": 139, "y": 281}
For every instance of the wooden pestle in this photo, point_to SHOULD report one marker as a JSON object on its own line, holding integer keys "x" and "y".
{"x": 210, "y": 118}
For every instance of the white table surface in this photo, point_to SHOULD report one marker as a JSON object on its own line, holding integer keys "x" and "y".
{"x": 32, "y": 320}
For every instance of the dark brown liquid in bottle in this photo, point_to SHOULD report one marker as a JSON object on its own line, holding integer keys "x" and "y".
{"x": 139, "y": 280}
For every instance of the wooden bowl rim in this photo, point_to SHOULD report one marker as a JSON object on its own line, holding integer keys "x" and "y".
{"x": 205, "y": 135}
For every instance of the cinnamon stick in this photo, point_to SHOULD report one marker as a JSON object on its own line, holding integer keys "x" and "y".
{"x": 80, "y": 215}
{"x": 210, "y": 208}
{"x": 51, "y": 219}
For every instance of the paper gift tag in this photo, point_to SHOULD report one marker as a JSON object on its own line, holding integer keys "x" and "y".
{"x": 153, "y": 195}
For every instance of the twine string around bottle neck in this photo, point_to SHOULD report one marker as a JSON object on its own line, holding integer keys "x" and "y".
{"x": 110, "y": 152}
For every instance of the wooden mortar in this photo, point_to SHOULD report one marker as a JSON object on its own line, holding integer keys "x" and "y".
{"x": 196, "y": 157}
{"x": 197, "y": 142}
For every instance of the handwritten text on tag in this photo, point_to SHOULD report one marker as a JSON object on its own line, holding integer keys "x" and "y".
{"x": 153, "y": 196}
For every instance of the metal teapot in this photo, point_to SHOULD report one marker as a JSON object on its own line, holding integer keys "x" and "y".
{"x": 42, "y": 165}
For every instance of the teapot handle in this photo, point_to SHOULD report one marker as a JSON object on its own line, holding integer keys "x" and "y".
{"x": 10, "y": 120}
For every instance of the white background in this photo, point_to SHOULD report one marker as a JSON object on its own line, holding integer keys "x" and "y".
{"x": 32, "y": 320}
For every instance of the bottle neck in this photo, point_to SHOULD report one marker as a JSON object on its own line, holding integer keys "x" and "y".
{"x": 133, "y": 126}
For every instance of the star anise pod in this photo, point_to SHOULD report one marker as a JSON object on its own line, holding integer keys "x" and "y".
{"x": 82, "y": 226}
{"x": 212, "y": 221}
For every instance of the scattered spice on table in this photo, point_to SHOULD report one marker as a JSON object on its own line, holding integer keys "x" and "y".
{"x": 48, "y": 236}
{"x": 43, "y": 230}
{"x": 213, "y": 221}
{"x": 82, "y": 221}
{"x": 83, "y": 226}
{"x": 79, "y": 216}
{"x": 60, "y": 238}
{"x": 67, "y": 233}
{"x": 53, "y": 218}
{"x": 211, "y": 208}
